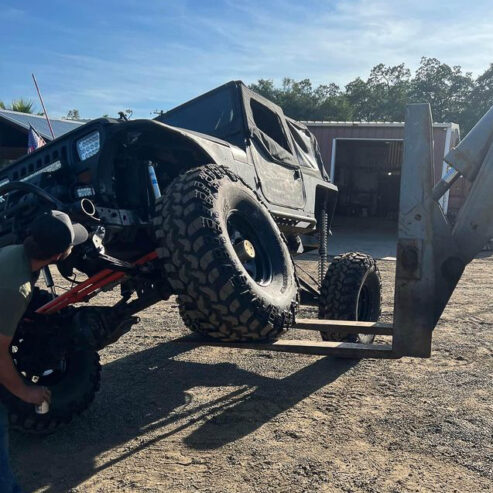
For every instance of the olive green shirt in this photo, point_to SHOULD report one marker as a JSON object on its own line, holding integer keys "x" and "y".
{"x": 15, "y": 287}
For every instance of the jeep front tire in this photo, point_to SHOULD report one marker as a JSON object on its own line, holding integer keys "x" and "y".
{"x": 225, "y": 257}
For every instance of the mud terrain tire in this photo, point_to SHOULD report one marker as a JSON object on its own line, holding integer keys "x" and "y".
{"x": 72, "y": 391}
{"x": 351, "y": 290}
{"x": 208, "y": 223}
{"x": 72, "y": 394}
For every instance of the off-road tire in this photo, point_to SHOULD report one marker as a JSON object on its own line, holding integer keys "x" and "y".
{"x": 351, "y": 290}
{"x": 71, "y": 395}
{"x": 216, "y": 295}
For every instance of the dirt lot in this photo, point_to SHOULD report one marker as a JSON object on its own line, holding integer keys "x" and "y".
{"x": 173, "y": 419}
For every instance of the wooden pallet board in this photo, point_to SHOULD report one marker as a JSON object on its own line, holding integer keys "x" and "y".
{"x": 344, "y": 326}
{"x": 320, "y": 348}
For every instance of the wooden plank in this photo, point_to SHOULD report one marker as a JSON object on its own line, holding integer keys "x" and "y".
{"x": 320, "y": 348}
{"x": 344, "y": 326}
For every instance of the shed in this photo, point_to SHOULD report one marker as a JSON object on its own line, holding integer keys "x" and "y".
{"x": 364, "y": 160}
{"x": 14, "y": 128}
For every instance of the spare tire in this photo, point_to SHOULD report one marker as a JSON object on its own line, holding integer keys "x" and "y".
{"x": 225, "y": 257}
{"x": 351, "y": 290}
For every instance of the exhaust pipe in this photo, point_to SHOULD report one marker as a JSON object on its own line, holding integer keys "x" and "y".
{"x": 85, "y": 209}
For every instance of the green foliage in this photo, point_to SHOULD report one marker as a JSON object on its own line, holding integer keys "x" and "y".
{"x": 301, "y": 101}
{"x": 383, "y": 96}
{"x": 446, "y": 88}
{"x": 480, "y": 98}
{"x": 454, "y": 95}
{"x": 22, "y": 105}
{"x": 73, "y": 115}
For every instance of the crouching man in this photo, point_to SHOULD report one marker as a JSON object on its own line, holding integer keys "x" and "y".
{"x": 51, "y": 239}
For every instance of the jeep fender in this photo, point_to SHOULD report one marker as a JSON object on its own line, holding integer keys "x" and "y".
{"x": 158, "y": 137}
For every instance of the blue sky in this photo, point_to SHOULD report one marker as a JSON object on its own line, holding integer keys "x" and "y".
{"x": 107, "y": 55}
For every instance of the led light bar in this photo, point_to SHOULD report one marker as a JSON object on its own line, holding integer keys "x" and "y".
{"x": 82, "y": 192}
{"x": 88, "y": 146}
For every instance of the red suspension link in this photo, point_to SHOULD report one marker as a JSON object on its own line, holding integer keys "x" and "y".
{"x": 82, "y": 291}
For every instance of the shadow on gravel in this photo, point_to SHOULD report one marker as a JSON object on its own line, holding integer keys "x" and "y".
{"x": 145, "y": 399}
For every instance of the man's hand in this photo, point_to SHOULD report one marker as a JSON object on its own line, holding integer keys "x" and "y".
{"x": 11, "y": 379}
{"x": 36, "y": 395}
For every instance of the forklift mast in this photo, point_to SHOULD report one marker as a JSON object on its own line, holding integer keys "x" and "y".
{"x": 431, "y": 253}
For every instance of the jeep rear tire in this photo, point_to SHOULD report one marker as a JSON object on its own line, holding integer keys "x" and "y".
{"x": 225, "y": 257}
{"x": 351, "y": 290}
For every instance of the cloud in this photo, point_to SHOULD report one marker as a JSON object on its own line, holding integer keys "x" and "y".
{"x": 10, "y": 13}
{"x": 156, "y": 55}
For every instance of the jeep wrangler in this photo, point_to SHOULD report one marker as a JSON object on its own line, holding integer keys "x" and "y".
{"x": 209, "y": 201}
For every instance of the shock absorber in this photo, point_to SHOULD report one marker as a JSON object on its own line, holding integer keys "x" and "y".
{"x": 323, "y": 232}
{"x": 153, "y": 180}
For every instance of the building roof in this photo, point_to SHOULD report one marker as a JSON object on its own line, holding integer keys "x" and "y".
{"x": 319, "y": 123}
{"x": 39, "y": 123}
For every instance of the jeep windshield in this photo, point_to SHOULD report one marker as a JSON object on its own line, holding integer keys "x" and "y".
{"x": 215, "y": 113}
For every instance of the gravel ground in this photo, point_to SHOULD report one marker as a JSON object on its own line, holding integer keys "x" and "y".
{"x": 170, "y": 418}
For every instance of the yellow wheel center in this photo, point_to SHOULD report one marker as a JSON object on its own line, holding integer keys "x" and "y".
{"x": 245, "y": 250}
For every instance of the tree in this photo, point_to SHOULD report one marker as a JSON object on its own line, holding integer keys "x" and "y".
{"x": 383, "y": 96}
{"x": 454, "y": 95}
{"x": 359, "y": 97}
{"x": 22, "y": 105}
{"x": 266, "y": 88}
{"x": 301, "y": 101}
{"x": 446, "y": 88}
{"x": 479, "y": 101}
{"x": 72, "y": 115}
{"x": 2, "y": 105}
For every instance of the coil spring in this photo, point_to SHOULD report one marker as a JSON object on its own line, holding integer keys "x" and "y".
{"x": 323, "y": 232}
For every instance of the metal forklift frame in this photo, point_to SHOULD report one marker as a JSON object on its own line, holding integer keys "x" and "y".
{"x": 431, "y": 253}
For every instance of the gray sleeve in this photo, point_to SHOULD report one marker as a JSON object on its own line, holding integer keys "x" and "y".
{"x": 12, "y": 307}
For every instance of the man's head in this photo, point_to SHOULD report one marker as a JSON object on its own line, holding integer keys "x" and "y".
{"x": 52, "y": 236}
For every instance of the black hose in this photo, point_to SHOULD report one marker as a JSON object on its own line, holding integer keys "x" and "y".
{"x": 29, "y": 188}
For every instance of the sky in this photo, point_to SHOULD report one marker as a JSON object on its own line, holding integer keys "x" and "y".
{"x": 105, "y": 56}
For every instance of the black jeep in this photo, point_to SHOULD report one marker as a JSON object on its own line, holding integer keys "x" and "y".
{"x": 207, "y": 202}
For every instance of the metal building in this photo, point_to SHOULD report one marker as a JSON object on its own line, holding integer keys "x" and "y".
{"x": 364, "y": 159}
{"x": 14, "y": 128}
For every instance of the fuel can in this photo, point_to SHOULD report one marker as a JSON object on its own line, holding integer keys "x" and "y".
{"x": 43, "y": 408}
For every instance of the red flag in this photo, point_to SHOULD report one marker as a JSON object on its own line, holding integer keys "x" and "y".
{"x": 34, "y": 140}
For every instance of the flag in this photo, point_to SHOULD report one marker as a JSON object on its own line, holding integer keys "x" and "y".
{"x": 34, "y": 140}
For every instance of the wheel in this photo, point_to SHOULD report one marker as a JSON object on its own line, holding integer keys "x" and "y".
{"x": 73, "y": 386}
{"x": 351, "y": 290}
{"x": 225, "y": 257}
{"x": 73, "y": 379}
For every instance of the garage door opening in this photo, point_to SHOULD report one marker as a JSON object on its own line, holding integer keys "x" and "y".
{"x": 368, "y": 173}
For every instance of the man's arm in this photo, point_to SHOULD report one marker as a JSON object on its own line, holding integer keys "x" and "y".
{"x": 13, "y": 382}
